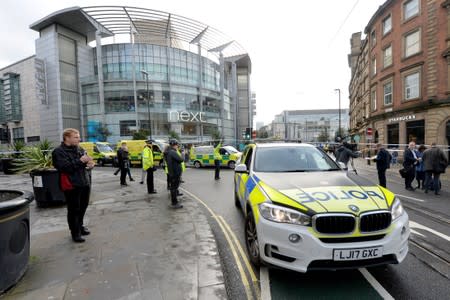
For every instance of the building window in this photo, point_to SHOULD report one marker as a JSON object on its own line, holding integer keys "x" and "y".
{"x": 410, "y": 9}
{"x": 374, "y": 66}
{"x": 412, "y": 43}
{"x": 18, "y": 134}
{"x": 387, "y": 93}
{"x": 415, "y": 132}
{"x": 125, "y": 129}
{"x": 373, "y": 99}
{"x": 387, "y": 25}
{"x": 393, "y": 135}
{"x": 373, "y": 37}
{"x": 387, "y": 56}
{"x": 412, "y": 86}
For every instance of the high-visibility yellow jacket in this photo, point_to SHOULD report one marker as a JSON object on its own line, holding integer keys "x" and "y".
{"x": 217, "y": 155}
{"x": 183, "y": 165}
{"x": 147, "y": 158}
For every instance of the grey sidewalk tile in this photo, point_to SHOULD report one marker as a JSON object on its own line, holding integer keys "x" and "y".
{"x": 212, "y": 292}
{"x": 139, "y": 248}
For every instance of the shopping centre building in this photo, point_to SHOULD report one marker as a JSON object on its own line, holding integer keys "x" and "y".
{"x": 121, "y": 69}
{"x": 400, "y": 84}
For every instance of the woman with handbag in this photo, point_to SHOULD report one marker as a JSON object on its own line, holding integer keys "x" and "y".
{"x": 409, "y": 162}
{"x": 73, "y": 164}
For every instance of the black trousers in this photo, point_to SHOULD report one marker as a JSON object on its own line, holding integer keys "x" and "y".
{"x": 382, "y": 177}
{"x": 150, "y": 184}
{"x": 217, "y": 169}
{"x": 174, "y": 185}
{"x": 123, "y": 175}
{"x": 77, "y": 202}
{"x": 410, "y": 177}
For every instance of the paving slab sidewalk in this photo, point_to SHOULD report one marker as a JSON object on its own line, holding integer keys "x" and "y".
{"x": 139, "y": 248}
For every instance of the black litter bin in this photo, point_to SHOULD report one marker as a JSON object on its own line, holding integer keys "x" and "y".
{"x": 7, "y": 166}
{"x": 14, "y": 236}
{"x": 46, "y": 188}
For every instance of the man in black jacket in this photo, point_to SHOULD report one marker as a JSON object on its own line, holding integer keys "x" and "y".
{"x": 383, "y": 161}
{"x": 73, "y": 161}
{"x": 174, "y": 171}
{"x": 409, "y": 164}
{"x": 123, "y": 160}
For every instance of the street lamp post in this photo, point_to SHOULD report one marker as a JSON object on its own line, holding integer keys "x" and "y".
{"x": 339, "y": 130}
{"x": 148, "y": 103}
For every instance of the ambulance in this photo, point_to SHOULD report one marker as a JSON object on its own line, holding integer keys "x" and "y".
{"x": 202, "y": 156}
{"x": 101, "y": 152}
{"x": 303, "y": 212}
{"x": 135, "y": 148}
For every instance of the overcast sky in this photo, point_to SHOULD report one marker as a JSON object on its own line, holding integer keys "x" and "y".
{"x": 298, "y": 48}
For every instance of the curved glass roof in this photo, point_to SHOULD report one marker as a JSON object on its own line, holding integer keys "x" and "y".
{"x": 146, "y": 25}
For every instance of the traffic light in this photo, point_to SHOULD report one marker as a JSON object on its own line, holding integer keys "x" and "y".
{"x": 248, "y": 133}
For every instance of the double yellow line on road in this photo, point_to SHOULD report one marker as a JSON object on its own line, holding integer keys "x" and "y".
{"x": 236, "y": 249}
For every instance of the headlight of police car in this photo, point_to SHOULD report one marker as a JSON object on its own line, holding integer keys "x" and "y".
{"x": 396, "y": 209}
{"x": 281, "y": 214}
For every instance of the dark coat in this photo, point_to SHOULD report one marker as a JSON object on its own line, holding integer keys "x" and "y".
{"x": 383, "y": 159}
{"x": 174, "y": 161}
{"x": 343, "y": 154}
{"x": 66, "y": 159}
{"x": 122, "y": 158}
{"x": 434, "y": 160}
{"x": 408, "y": 159}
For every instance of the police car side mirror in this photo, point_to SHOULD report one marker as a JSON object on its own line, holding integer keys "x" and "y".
{"x": 241, "y": 168}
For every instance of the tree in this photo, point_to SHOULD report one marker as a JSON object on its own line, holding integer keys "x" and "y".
{"x": 103, "y": 133}
{"x": 262, "y": 134}
{"x": 323, "y": 136}
{"x": 216, "y": 135}
{"x": 174, "y": 135}
{"x": 141, "y": 134}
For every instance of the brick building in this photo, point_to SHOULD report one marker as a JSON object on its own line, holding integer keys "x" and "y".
{"x": 400, "y": 82}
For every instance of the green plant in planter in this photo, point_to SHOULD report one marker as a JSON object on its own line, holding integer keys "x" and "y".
{"x": 35, "y": 158}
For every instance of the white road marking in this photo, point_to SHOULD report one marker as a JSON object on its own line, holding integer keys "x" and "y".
{"x": 413, "y": 224}
{"x": 412, "y": 198}
{"x": 375, "y": 284}
{"x": 264, "y": 283}
{"x": 418, "y": 233}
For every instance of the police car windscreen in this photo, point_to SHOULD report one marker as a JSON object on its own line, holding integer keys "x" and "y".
{"x": 292, "y": 159}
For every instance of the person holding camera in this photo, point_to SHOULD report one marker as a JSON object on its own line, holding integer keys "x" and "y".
{"x": 344, "y": 153}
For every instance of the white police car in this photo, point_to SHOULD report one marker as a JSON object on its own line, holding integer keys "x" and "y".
{"x": 304, "y": 213}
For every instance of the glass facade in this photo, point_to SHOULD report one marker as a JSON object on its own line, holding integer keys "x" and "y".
{"x": 415, "y": 131}
{"x": 10, "y": 99}
{"x": 171, "y": 100}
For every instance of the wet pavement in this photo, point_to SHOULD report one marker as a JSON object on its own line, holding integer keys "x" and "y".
{"x": 139, "y": 248}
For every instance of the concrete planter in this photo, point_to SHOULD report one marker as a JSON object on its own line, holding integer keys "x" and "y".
{"x": 14, "y": 237}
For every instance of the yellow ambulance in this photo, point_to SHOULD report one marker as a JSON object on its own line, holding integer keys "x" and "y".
{"x": 204, "y": 156}
{"x": 100, "y": 151}
{"x": 135, "y": 148}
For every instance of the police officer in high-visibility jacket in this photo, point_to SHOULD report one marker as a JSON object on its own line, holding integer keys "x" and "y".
{"x": 217, "y": 160}
{"x": 147, "y": 165}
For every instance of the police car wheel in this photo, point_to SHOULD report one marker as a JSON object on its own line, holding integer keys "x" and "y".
{"x": 251, "y": 240}
{"x": 101, "y": 162}
{"x": 197, "y": 164}
{"x": 231, "y": 164}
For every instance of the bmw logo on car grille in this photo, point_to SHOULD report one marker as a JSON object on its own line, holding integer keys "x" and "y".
{"x": 354, "y": 208}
